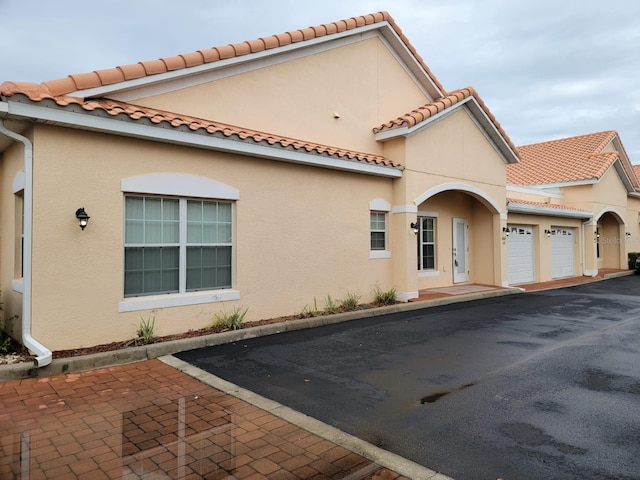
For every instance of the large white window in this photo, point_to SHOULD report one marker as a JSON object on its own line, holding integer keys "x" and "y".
{"x": 176, "y": 245}
{"x": 427, "y": 243}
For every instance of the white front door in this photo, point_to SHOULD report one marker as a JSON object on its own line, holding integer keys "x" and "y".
{"x": 460, "y": 250}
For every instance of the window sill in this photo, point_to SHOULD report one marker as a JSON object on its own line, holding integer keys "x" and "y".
{"x": 379, "y": 254}
{"x": 177, "y": 300}
{"x": 428, "y": 273}
{"x": 17, "y": 285}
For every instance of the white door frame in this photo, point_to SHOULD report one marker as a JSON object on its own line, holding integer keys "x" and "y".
{"x": 460, "y": 250}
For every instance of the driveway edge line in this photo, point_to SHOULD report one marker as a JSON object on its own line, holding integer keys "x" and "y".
{"x": 382, "y": 457}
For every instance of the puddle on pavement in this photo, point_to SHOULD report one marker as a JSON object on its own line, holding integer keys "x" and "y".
{"x": 434, "y": 397}
{"x": 189, "y": 437}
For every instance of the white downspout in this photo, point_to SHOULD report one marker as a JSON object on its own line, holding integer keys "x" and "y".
{"x": 43, "y": 354}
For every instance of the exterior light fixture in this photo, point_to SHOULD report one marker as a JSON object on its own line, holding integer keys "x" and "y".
{"x": 82, "y": 217}
{"x": 415, "y": 227}
{"x": 596, "y": 235}
{"x": 506, "y": 231}
{"x": 628, "y": 234}
{"x": 547, "y": 232}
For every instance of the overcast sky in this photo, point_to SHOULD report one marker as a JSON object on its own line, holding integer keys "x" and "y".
{"x": 546, "y": 68}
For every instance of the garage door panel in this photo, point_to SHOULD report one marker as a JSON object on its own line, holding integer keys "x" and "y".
{"x": 563, "y": 263}
{"x": 520, "y": 254}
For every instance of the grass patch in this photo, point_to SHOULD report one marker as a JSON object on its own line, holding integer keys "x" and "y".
{"x": 381, "y": 297}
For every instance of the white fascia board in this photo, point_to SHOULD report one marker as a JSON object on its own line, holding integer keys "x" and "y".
{"x": 4, "y": 106}
{"x": 191, "y": 76}
{"x": 180, "y": 137}
{"x": 576, "y": 183}
{"x": 535, "y": 191}
{"x": 514, "y": 207}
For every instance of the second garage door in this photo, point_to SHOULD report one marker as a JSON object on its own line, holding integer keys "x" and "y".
{"x": 563, "y": 263}
{"x": 520, "y": 259}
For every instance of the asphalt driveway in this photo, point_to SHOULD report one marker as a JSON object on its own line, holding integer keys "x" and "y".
{"x": 538, "y": 385}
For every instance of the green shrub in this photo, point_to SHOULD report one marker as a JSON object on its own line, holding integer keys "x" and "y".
{"x": 145, "y": 330}
{"x": 231, "y": 321}
{"x": 384, "y": 298}
{"x": 632, "y": 256}
{"x": 330, "y": 306}
{"x": 350, "y": 302}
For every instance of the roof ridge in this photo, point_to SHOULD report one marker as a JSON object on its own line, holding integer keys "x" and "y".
{"x": 610, "y": 134}
{"x": 122, "y": 73}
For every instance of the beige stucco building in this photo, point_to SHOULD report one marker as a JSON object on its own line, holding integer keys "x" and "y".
{"x": 270, "y": 173}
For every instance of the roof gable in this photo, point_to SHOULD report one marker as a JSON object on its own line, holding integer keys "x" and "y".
{"x": 104, "y": 83}
{"x": 577, "y": 159}
{"x": 422, "y": 116}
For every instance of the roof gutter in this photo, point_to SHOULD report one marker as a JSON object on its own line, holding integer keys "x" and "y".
{"x": 43, "y": 354}
{"x": 514, "y": 207}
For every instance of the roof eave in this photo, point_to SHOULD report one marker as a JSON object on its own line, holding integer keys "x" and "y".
{"x": 94, "y": 121}
{"x": 514, "y": 207}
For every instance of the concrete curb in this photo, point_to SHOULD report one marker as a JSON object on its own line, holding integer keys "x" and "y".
{"x": 81, "y": 363}
{"x": 381, "y": 457}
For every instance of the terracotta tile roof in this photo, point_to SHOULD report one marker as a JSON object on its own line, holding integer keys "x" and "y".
{"x": 439, "y": 105}
{"x": 100, "y": 78}
{"x": 564, "y": 160}
{"x": 136, "y": 113}
{"x": 636, "y": 170}
{"x": 511, "y": 201}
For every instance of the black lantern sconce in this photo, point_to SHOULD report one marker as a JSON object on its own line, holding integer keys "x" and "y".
{"x": 506, "y": 231}
{"x": 547, "y": 233}
{"x": 628, "y": 234}
{"x": 82, "y": 217}
{"x": 415, "y": 227}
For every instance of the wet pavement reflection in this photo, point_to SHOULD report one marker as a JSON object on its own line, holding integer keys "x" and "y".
{"x": 148, "y": 420}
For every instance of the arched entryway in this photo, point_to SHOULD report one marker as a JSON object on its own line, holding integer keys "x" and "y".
{"x": 458, "y": 237}
{"x": 610, "y": 240}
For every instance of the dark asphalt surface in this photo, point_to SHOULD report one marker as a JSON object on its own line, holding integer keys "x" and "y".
{"x": 543, "y": 385}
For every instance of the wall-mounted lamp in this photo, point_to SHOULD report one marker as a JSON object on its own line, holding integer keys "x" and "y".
{"x": 547, "y": 233}
{"x": 82, "y": 217}
{"x": 415, "y": 227}
{"x": 506, "y": 231}
{"x": 596, "y": 235}
{"x": 628, "y": 234}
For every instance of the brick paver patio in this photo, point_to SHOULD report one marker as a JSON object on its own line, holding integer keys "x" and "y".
{"x": 149, "y": 420}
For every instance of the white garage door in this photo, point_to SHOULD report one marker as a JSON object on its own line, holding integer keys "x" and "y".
{"x": 563, "y": 263}
{"x": 520, "y": 258}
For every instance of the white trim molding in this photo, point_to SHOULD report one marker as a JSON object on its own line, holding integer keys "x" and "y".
{"x": 528, "y": 209}
{"x": 380, "y": 205}
{"x": 180, "y": 185}
{"x": 406, "y": 296}
{"x": 404, "y": 209}
{"x": 18, "y": 182}
{"x": 377, "y": 254}
{"x": 610, "y": 210}
{"x": 135, "y": 304}
{"x": 428, "y": 273}
{"x": 461, "y": 187}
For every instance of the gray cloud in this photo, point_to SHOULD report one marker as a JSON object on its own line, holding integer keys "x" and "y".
{"x": 546, "y": 69}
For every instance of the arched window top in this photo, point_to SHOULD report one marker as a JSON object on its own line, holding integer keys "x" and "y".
{"x": 179, "y": 184}
{"x": 18, "y": 182}
{"x": 380, "y": 205}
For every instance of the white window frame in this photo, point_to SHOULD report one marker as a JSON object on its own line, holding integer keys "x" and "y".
{"x": 380, "y": 205}
{"x": 184, "y": 187}
{"x": 427, "y": 272}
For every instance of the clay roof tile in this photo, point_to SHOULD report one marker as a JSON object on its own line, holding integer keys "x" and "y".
{"x": 241, "y": 48}
{"x": 152, "y": 67}
{"x": 131, "y": 72}
{"x": 86, "y": 80}
{"x": 110, "y": 75}
{"x": 210, "y": 55}
{"x": 173, "y": 63}
{"x": 192, "y": 59}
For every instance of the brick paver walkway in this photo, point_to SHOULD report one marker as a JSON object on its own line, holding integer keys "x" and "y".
{"x": 148, "y": 420}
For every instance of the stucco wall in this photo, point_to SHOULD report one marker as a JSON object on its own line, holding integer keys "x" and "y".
{"x": 301, "y": 233}
{"x": 362, "y": 82}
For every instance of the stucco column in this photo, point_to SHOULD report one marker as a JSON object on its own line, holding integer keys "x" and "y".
{"x": 403, "y": 239}
{"x": 589, "y": 255}
{"x": 501, "y": 275}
